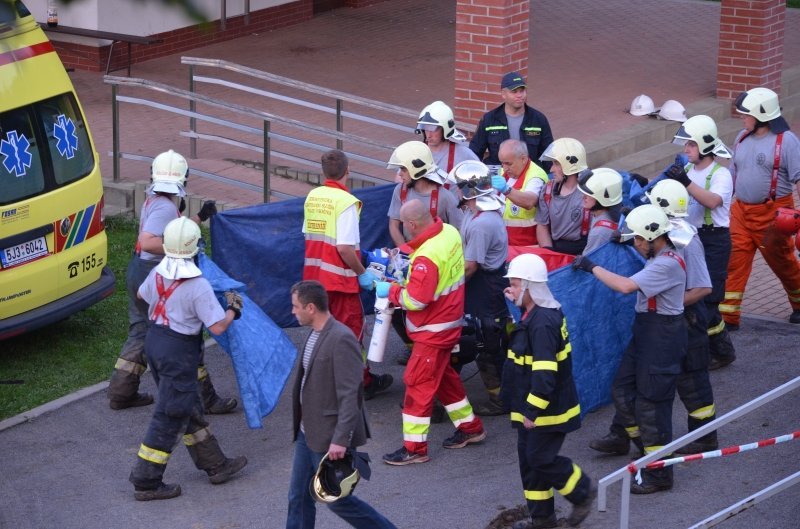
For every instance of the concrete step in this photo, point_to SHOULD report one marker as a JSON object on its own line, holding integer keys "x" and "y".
{"x": 648, "y": 162}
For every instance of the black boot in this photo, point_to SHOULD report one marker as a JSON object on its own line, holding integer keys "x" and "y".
{"x": 213, "y": 404}
{"x": 653, "y": 481}
{"x": 225, "y": 472}
{"x": 706, "y": 443}
{"x": 616, "y": 442}
{"x": 139, "y": 399}
{"x": 163, "y": 492}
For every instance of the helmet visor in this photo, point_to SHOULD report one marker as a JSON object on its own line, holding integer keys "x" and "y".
{"x": 475, "y": 187}
{"x": 740, "y": 103}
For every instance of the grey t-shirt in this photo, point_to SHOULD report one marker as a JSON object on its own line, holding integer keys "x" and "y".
{"x": 485, "y": 239}
{"x": 599, "y": 234}
{"x": 564, "y": 214}
{"x": 752, "y": 164}
{"x": 190, "y": 306}
{"x": 696, "y": 268}
{"x": 157, "y": 212}
{"x": 447, "y": 206}
{"x": 662, "y": 277}
{"x": 514, "y": 124}
{"x": 462, "y": 152}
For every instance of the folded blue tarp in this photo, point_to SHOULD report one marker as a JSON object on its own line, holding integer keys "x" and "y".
{"x": 261, "y": 353}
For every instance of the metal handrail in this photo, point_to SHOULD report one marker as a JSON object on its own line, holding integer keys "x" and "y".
{"x": 625, "y": 475}
{"x": 285, "y": 81}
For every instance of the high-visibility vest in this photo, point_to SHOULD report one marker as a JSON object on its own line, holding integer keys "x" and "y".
{"x": 520, "y": 223}
{"x": 322, "y": 260}
{"x": 439, "y": 322}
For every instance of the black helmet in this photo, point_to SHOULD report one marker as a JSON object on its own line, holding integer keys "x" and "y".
{"x": 334, "y": 479}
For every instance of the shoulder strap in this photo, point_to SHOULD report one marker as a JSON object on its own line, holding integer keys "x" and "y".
{"x": 451, "y": 157}
{"x": 651, "y": 302}
{"x": 160, "y": 311}
{"x": 773, "y": 184}
{"x": 605, "y": 223}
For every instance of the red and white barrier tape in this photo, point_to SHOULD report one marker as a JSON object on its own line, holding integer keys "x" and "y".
{"x": 664, "y": 463}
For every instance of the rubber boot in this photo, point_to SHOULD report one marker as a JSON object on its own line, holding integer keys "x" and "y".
{"x": 123, "y": 388}
{"x": 206, "y": 453}
{"x": 722, "y": 350}
{"x": 163, "y": 492}
{"x": 494, "y": 406}
{"x": 616, "y": 442}
{"x": 653, "y": 481}
{"x": 213, "y": 404}
{"x": 706, "y": 443}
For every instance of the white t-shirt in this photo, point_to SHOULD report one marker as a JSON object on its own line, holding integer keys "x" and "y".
{"x": 462, "y": 153}
{"x": 722, "y": 185}
{"x": 190, "y": 306}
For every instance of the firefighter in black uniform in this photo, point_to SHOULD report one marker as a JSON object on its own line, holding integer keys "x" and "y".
{"x": 538, "y": 385}
{"x": 513, "y": 119}
{"x": 644, "y": 387}
{"x": 180, "y": 304}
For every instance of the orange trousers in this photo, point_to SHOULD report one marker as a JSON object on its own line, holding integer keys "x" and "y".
{"x": 753, "y": 228}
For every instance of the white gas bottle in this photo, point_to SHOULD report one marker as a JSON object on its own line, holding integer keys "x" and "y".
{"x": 380, "y": 331}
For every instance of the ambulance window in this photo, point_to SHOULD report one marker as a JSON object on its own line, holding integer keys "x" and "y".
{"x": 21, "y": 172}
{"x": 67, "y": 138}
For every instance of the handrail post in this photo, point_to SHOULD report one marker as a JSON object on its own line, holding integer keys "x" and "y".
{"x": 339, "y": 122}
{"x": 246, "y": 12}
{"x": 266, "y": 161}
{"x": 115, "y": 130}
{"x": 222, "y": 14}
{"x": 192, "y": 121}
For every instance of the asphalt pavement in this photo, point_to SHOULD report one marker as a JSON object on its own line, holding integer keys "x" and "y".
{"x": 68, "y": 468}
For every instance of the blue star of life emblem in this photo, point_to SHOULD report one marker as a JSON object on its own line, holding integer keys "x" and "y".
{"x": 66, "y": 139}
{"x": 15, "y": 149}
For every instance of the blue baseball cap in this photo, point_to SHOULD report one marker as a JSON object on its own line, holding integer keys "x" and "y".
{"x": 512, "y": 81}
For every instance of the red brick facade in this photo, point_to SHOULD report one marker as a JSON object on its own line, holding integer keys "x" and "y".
{"x": 92, "y": 58}
{"x": 491, "y": 40}
{"x": 750, "y": 46}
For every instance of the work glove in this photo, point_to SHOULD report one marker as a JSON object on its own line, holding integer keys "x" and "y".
{"x": 582, "y": 262}
{"x": 367, "y": 280}
{"x": 382, "y": 289}
{"x": 642, "y": 181}
{"x": 208, "y": 210}
{"x": 677, "y": 173}
{"x": 234, "y": 301}
{"x": 499, "y": 184}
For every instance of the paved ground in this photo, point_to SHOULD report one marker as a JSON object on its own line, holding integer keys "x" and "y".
{"x": 68, "y": 469}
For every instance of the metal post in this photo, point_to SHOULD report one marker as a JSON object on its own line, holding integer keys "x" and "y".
{"x": 339, "y": 122}
{"x": 222, "y": 14}
{"x": 266, "y": 161}
{"x": 192, "y": 121}
{"x": 625, "y": 504}
{"x": 115, "y": 130}
{"x": 246, "y": 12}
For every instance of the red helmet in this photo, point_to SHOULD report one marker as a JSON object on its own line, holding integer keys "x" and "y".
{"x": 787, "y": 221}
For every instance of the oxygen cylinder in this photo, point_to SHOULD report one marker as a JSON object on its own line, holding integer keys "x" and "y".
{"x": 380, "y": 331}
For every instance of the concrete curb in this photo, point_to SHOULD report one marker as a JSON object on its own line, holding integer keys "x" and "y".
{"x": 47, "y": 407}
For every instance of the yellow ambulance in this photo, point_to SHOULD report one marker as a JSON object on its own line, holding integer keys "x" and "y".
{"x": 53, "y": 245}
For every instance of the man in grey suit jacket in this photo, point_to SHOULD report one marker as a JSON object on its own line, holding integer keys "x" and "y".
{"x": 328, "y": 409}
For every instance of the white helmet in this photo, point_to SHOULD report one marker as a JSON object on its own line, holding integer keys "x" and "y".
{"x": 642, "y": 105}
{"x": 169, "y": 171}
{"x": 568, "y": 152}
{"x": 417, "y": 159}
{"x": 440, "y": 115}
{"x": 602, "y": 184}
{"x": 473, "y": 178}
{"x": 761, "y": 103}
{"x": 180, "y": 238}
{"x": 671, "y": 196}
{"x": 648, "y": 221}
{"x": 528, "y": 267}
{"x": 672, "y": 110}
{"x": 703, "y": 131}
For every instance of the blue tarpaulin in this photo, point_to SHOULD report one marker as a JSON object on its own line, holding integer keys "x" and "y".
{"x": 261, "y": 353}
{"x": 262, "y": 246}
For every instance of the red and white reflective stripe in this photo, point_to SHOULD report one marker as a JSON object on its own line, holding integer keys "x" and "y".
{"x": 651, "y": 302}
{"x": 434, "y": 205}
{"x": 160, "y": 311}
{"x": 736, "y": 449}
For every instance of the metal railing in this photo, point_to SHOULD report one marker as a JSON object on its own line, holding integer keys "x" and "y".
{"x": 624, "y": 473}
{"x": 265, "y": 133}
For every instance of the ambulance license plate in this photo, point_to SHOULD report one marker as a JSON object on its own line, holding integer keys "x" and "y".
{"x": 21, "y": 253}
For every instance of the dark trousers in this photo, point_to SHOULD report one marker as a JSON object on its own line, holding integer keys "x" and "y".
{"x": 173, "y": 359}
{"x": 302, "y": 508}
{"x": 694, "y": 384}
{"x": 717, "y": 246}
{"x": 542, "y": 470}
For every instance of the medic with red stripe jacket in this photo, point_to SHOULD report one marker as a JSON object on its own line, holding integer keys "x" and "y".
{"x": 644, "y": 386}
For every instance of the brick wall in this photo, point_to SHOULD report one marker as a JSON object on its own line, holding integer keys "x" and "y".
{"x": 361, "y": 3}
{"x": 491, "y": 40}
{"x": 750, "y": 46}
{"x": 84, "y": 57}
